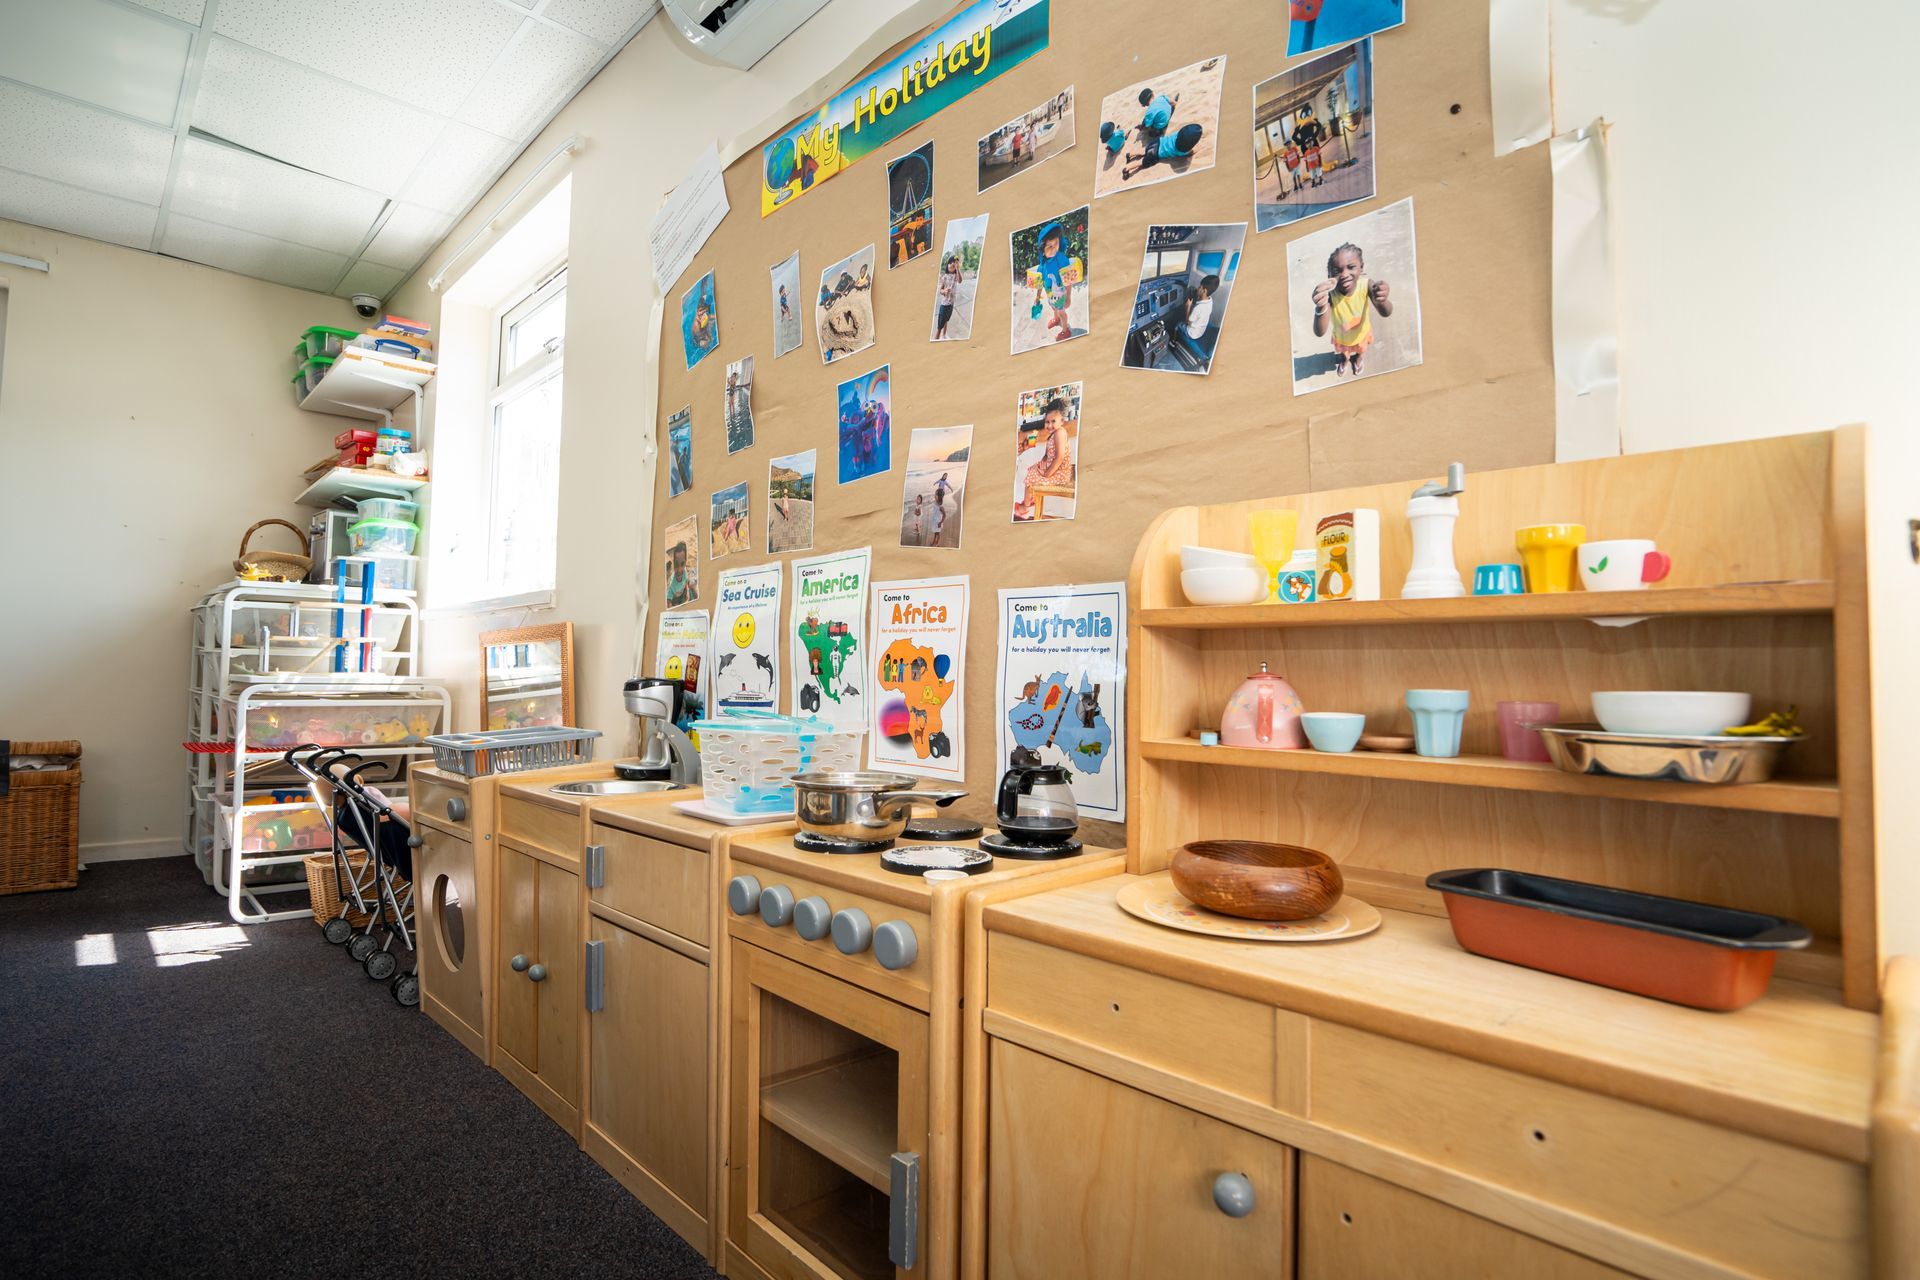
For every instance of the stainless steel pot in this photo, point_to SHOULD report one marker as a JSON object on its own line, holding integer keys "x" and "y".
{"x": 859, "y": 805}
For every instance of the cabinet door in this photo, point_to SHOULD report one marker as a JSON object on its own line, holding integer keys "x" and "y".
{"x": 516, "y": 1003}
{"x": 558, "y": 992}
{"x": 1355, "y": 1227}
{"x": 1090, "y": 1179}
{"x": 451, "y": 954}
{"x": 647, "y": 1076}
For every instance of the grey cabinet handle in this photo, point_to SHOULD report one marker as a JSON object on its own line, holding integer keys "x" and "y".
{"x": 596, "y": 976}
{"x": 518, "y": 964}
{"x": 1233, "y": 1194}
{"x": 456, "y": 809}
{"x": 415, "y": 842}
{"x": 903, "y": 1209}
{"x": 743, "y": 895}
{"x": 596, "y": 867}
{"x": 537, "y": 973}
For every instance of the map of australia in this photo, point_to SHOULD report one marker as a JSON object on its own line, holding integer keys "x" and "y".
{"x": 918, "y": 675}
{"x": 1048, "y": 714}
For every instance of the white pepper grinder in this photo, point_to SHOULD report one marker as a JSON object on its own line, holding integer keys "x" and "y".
{"x": 1432, "y": 511}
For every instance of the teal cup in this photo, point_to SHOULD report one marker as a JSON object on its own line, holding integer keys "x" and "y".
{"x": 1438, "y": 717}
{"x": 1498, "y": 580}
{"x": 1333, "y": 730}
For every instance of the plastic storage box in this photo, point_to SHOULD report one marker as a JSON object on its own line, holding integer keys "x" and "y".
{"x": 376, "y": 722}
{"x": 391, "y": 344}
{"x": 384, "y": 537}
{"x": 748, "y": 758}
{"x": 390, "y": 573}
{"x": 322, "y": 340}
{"x": 389, "y": 509}
{"x": 312, "y": 370}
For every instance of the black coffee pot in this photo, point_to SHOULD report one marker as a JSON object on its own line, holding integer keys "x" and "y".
{"x": 1035, "y": 804}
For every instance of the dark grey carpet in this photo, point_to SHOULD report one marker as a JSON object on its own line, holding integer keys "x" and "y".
{"x": 265, "y": 1111}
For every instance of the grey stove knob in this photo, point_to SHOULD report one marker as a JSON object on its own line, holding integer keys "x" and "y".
{"x": 812, "y": 918}
{"x": 776, "y": 905}
{"x": 743, "y": 895}
{"x": 894, "y": 945}
{"x": 852, "y": 931}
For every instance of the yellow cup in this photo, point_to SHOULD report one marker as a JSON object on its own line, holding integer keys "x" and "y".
{"x": 1547, "y": 553}
{"x": 1274, "y": 535}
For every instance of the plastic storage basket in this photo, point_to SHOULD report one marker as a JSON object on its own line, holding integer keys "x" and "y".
{"x": 388, "y": 509}
{"x": 748, "y": 758}
{"x": 323, "y": 340}
{"x": 474, "y": 755}
{"x": 383, "y": 537}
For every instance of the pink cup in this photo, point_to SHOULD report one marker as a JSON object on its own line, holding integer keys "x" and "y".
{"x": 1518, "y": 741}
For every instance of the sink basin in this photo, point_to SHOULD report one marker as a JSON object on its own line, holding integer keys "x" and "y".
{"x": 613, "y": 787}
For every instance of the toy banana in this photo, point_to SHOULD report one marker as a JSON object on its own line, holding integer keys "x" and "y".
{"x": 1775, "y": 724}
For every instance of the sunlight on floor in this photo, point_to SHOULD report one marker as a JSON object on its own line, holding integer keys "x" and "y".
{"x": 193, "y": 943}
{"x": 95, "y": 948}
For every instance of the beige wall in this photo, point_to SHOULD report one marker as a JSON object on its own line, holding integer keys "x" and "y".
{"x": 145, "y": 422}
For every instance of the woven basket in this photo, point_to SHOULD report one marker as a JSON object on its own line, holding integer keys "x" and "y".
{"x": 39, "y": 820}
{"x": 324, "y": 894}
{"x": 272, "y": 566}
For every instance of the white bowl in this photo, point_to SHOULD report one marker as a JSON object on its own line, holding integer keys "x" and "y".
{"x": 1214, "y": 558}
{"x": 1234, "y": 584}
{"x": 1671, "y": 713}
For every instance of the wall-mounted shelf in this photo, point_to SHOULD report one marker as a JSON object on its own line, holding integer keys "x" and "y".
{"x": 361, "y": 387}
{"x": 358, "y": 482}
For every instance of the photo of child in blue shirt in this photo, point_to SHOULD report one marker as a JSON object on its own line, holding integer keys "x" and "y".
{"x": 1175, "y": 122}
{"x": 699, "y": 321}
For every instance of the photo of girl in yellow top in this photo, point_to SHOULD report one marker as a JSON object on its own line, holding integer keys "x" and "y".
{"x": 1343, "y": 303}
{"x": 1347, "y": 321}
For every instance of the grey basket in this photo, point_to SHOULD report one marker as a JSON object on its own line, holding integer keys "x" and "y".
{"x": 475, "y": 755}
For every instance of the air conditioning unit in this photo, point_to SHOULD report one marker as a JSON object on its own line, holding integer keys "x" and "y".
{"x": 738, "y": 33}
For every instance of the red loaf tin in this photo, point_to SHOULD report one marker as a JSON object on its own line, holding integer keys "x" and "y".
{"x": 1668, "y": 948}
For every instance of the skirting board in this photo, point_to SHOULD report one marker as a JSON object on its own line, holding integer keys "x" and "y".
{"x": 130, "y": 850}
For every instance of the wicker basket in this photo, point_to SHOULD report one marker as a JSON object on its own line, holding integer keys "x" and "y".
{"x": 272, "y": 566}
{"x": 324, "y": 893}
{"x": 39, "y": 820}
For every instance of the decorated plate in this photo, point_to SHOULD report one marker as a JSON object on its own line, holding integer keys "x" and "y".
{"x": 1157, "y": 901}
{"x": 913, "y": 859}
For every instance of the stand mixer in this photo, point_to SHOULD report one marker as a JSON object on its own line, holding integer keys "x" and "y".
{"x": 667, "y": 754}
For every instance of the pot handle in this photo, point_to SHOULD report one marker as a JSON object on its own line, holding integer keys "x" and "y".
{"x": 888, "y": 804}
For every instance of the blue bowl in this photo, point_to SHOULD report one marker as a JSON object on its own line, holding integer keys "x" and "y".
{"x": 1333, "y": 730}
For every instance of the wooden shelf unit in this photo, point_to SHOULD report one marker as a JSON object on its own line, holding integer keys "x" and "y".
{"x": 1768, "y": 596}
{"x": 845, "y": 1111}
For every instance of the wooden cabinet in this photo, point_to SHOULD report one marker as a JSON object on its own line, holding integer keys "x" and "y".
{"x": 1353, "y": 1227}
{"x": 537, "y": 977}
{"x": 453, "y": 934}
{"x": 1088, "y": 1178}
{"x": 647, "y": 1120}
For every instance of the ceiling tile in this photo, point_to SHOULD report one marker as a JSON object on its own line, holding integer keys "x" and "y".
{"x": 185, "y": 10}
{"x": 251, "y": 255}
{"x": 410, "y": 231}
{"x": 239, "y": 189}
{"x": 25, "y": 198}
{"x": 304, "y": 118}
{"x": 370, "y": 277}
{"x": 604, "y": 20}
{"x": 541, "y": 71}
{"x": 102, "y": 152}
{"x": 427, "y": 52}
{"x": 461, "y": 164}
{"x": 97, "y": 52}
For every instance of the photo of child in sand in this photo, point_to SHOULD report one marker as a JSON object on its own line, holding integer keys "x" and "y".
{"x": 790, "y": 502}
{"x": 1046, "y": 454}
{"x": 1051, "y": 278}
{"x": 958, "y": 283}
{"x": 1353, "y": 295}
{"x": 843, "y": 313}
{"x": 699, "y": 320}
{"x": 680, "y": 560}
{"x": 785, "y": 283}
{"x": 935, "y": 489}
{"x": 1313, "y": 138}
{"x": 866, "y": 425}
{"x": 1027, "y": 140}
{"x": 1322, "y": 24}
{"x": 910, "y": 206}
{"x": 1162, "y": 128}
{"x": 680, "y": 452}
{"x": 727, "y": 526}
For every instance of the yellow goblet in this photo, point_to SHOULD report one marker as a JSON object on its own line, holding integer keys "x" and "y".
{"x": 1273, "y": 538}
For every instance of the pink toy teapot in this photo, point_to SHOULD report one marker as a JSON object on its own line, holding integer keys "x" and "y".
{"x": 1264, "y": 712}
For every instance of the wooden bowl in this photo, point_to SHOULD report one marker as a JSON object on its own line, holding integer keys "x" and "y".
{"x": 1257, "y": 881}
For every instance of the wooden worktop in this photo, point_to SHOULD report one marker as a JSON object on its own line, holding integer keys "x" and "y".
{"x": 862, "y": 872}
{"x": 1796, "y": 1066}
{"x": 654, "y": 815}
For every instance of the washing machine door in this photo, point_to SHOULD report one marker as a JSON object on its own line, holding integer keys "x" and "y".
{"x": 446, "y": 906}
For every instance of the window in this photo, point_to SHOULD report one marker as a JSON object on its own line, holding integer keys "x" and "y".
{"x": 523, "y": 442}
{"x": 1164, "y": 262}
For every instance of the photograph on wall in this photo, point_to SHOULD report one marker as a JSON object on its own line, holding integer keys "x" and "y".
{"x": 830, "y": 634}
{"x": 740, "y": 404}
{"x": 784, "y": 278}
{"x": 1062, "y": 677}
{"x": 1051, "y": 281}
{"x": 935, "y": 489}
{"x": 790, "y": 502}
{"x": 958, "y": 284}
{"x": 1046, "y": 454}
{"x": 843, "y": 313}
{"x": 910, "y": 206}
{"x": 699, "y": 320}
{"x": 1353, "y": 297}
{"x": 1180, "y": 306}
{"x": 680, "y": 561}
{"x": 1159, "y": 129}
{"x": 745, "y": 675}
{"x": 866, "y": 425}
{"x": 1313, "y": 138}
{"x": 680, "y": 452}
{"x": 919, "y": 642}
{"x": 1031, "y": 138}
{"x": 1322, "y": 24}
{"x": 680, "y": 653}
{"x": 727, "y": 531}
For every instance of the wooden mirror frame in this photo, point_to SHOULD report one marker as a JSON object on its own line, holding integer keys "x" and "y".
{"x": 561, "y": 631}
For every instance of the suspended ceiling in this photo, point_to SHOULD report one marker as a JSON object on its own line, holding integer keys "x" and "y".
{"x": 329, "y": 146}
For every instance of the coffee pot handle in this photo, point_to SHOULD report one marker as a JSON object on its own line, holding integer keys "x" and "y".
{"x": 1006, "y": 805}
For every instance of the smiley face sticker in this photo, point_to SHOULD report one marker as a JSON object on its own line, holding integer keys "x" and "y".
{"x": 743, "y": 631}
